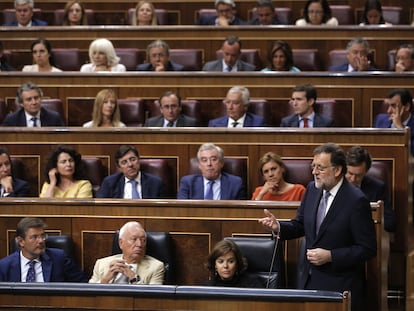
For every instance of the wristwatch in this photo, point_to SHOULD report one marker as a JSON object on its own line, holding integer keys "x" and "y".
{"x": 134, "y": 280}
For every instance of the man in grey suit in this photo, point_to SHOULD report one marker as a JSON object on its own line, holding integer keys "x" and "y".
{"x": 171, "y": 116}
{"x": 231, "y": 61}
{"x": 303, "y": 99}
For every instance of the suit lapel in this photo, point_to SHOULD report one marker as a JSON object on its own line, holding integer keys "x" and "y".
{"x": 46, "y": 267}
{"x": 198, "y": 188}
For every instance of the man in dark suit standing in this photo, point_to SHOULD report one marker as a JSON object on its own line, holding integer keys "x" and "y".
{"x": 335, "y": 218}
{"x": 34, "y": 262}
{"x": 32, "y": 114}
{"x": 231, "y": 61}
{"x": 226, "y": 15}
{"x": 399, "y": 113}
{"x": 171, "y": 116}
{"x": 212, "y": 183}
{"x": 237, "y": 101}
{"x": 158, "y": 55}
{"x": 130, "y": 182}
{"x": 303, "y": 100}
{"x": 24, "y": 15}
{"x": 9, "y": 185}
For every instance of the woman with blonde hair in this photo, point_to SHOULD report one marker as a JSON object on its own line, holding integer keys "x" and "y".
{"x": 144, "y": 14}
{"x": 102, "y": 57}
{"x": 74, "y": 14}
{"x": 105, "y": 110}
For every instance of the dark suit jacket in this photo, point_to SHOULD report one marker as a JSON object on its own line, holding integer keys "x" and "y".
{"x": 347, "y": 231}
{"x": 375, "y": 190}
{"x": 182, "y": 121}
{"x": 318, "y": 121}
{"x": 211, "y": 20}
{"x": 47, "y": 118}
{"x": 20, "y": 188}
{"x": 56, "y": 267}
{"x": 113, "y": 186}
{"x": 382, "y": 121}
{"x": 344, "y": 67}
{"x": 192, "y": 187}
{"x": 171, "y": 66}
{"x": 4, "y": 66}
{"x": 275, "y": 21}
{"x": 251, "y": 120}
{"x": 35, "y": 22}
{"x": 217, "y": 65}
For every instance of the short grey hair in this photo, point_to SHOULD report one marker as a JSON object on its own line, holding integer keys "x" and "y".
{"x": 358, "y": 41}
{"x": 22, "y": 2}
{"x": 27, "y": 87}
{"x": 130, "y": 224}
{"x": 229, "y": 2}
{"x": 244, "y": 91}
{"x": 158, "y": 43}
{"x": 210, "y": 146}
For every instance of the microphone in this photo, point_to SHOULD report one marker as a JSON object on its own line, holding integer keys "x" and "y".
{"x": 276, "y": 237}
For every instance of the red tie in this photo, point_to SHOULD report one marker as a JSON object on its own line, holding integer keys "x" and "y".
{"x": 305, "y": 122}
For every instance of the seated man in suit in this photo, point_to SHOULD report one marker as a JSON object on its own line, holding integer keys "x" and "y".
{"x": 237, "y": 101}
{"x": 358, "y": 57}
{"x": 212, "y": 183}
{"x": 9, "y": 185}
{"x": 32, "y": 114}
{"x": 158, "y": 55}
{"x": 24, "y": 15}
{"x": 226, "y": 15}
{"x": 171, "y": 116}
{"x": 133, "y": 266}
{"x": 4, "y": 65}
{"x": 404, "y": 58}
{"x": 266, "y": 14}
{"x": 400, "y": 103}
{"x": 303, "y": 99}
{"x": 358, "y": 161}
{"x": 130, "y": 182}
{"x": 34, "y": 262}
{"x": 231, "y": 61}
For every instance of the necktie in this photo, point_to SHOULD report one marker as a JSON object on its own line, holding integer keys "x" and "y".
{"x": 170, "y": 124}
{"x": 122, "y": 278}
{"x": 229, "y": 68}
{"x": 305, "y": 122}
{"x": 234, "y": 124}
{"x": 134, "y": 191}
{"x": 323, "y": 204}
{"x": 34, "y": 121}
{"x": 31, "y": 274}
{"x": 209, "y": 194}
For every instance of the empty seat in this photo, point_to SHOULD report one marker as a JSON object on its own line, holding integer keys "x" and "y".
{"x": 204, "y": 13}
{"x": 162, "y": 16}
{"x": 382, "y": 170}
{"x": 67, "y": 59}
{"x": 58, "y": 15}
{"x": 9, "y": 15}
{"x": 18, "y": 168}
{"x": 343, "y": 13}
{"x": 251, "y": 56}
{"x": 337, "y": 57}
{"x": 307, "y": 59}
{"x": 54, "y": 104}
{"x": 166, "y": 170}
{"x": 94, "y": 171}
{"x": 298, "y": 171}
{"x": 284, "y": 15}
{"x": 262, "y": 108}
{"x": 191, "y": 59}
{"x": 132, "y": 111}
{"x": 340, "y": 112}
{"x": 131, "y": 57}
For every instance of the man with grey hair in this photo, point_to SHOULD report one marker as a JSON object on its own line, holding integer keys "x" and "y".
{"x": 358, "y": 57}
{"x": 212, "y": 183}
{"x": 226, "y": 15}
{"x": 133, "y": 266}
{"x": 32, "y": 114}
{"x": 237, "y": 102}
{"x": 24, "y": 15}
{"x": 158, "y": 58}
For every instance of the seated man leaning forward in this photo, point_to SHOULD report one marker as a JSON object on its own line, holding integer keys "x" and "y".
{"x": 133, "y": 266}
{"x": 158, "y": 58}
{"x": 212, "y": 183}
{"x": 10, "y": 186}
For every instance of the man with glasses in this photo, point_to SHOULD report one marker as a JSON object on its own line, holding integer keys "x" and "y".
{"x": 130, "y": 182}
{"x": 34, "y": 262}
{"x": 171, "y": 116}
{"x": 226, "y": 15}
{"x": 133, "y": 266}
{"x": 335, "y": 218}
{"x": 158, "y": 55}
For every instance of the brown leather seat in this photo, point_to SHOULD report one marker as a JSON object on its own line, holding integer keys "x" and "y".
{"x": 343, "y": 13}
{"x": 382, "y": 170}
{"x": 58, "y": 15}
{"x": 391, "y": 59}
{"x": 55, "y": 104}
{"x": 67, "y": 59}
{"x": 95, "y": 172}
{"x": 132, "y": 111}
{"x": 284, "y": 15}
{"x": 307, "y": 59}
{"x": 191, "y": 59}
{"x": 166, "y": 170}
{"x": 131, "y": 57}
{"x": 262, "y": 108}
{"x": 203, "y": 12}
{"x": 3, "y": 110}
{"x": 162, "y": 16}
{"x": 251, "y": 56}
{"x": 9, "y": 15}
{"x": 298, "y": 171}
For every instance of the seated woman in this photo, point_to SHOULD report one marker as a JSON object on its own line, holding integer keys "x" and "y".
{"x": 227, "y": 266}
{"x": 65, "y": 175}
{"x": 42, "y": 57}
{"x": 373, "y": 14}
{"x": 273, "y": 170}
{"x": 317, "y": 12}
{"x": 105, "y": 111}
{"x": 102, "y": 57}
{"x": 144, "y": 14}
{"x": 280, "y": 58}
{"x": 74, "y": 14}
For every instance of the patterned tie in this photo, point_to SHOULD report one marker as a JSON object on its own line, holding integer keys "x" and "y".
{"x": 31, "y": 274}
{"x": 170, "y": 124}
{"x": 305, "y": 122}
{"x": 323, "y": 204}
{"x": 234, "y": 124}
{"x": 134, "y": 191}
{"x": 34, "y": 121}
{"x": 209, "y": 194}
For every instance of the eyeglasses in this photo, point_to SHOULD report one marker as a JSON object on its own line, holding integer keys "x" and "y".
{"x": 320, "y": 168}
{"x": 36, "y": 237}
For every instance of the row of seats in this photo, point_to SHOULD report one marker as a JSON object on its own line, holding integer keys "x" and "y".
{"x": 71, "y": 59}
{"x": 345, "y": 14}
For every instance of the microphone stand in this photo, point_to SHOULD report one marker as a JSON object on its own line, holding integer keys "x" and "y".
{"x": 276, "y": 237}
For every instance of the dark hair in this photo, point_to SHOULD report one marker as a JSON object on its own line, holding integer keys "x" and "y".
{"x": 69, "y": 4}
{"x": 222, "y": 248}
{"x": 27, "y": 87}
{"x": 287, "y": 51}
{"x": 326, "y": 10}
{"x": 27, "y": 223}
{"x": 406, "y": 46}
{"x": 372, "y": 5}
{"x": 309, "y": 89}
{"x": 167, "y": 94}
{"x": 405, "y": 96}
{"x": 53, "y": 158}
{"x": 357, "y": 155}
{"x": 265, "y": 4}
{"x": 48, "y": 47}
{"x": 123, "y": 150}
{"x": 232, "y": 40}
{"x": 4, "y": 150}
{"x": 338, "y": 157}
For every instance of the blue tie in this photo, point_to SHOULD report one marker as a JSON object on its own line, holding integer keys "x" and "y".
{"x": 323, "y": 204}
{"x": 134, "y": 191}
{"x": 31, "y": 274}
{"x": 209, "y": 194}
